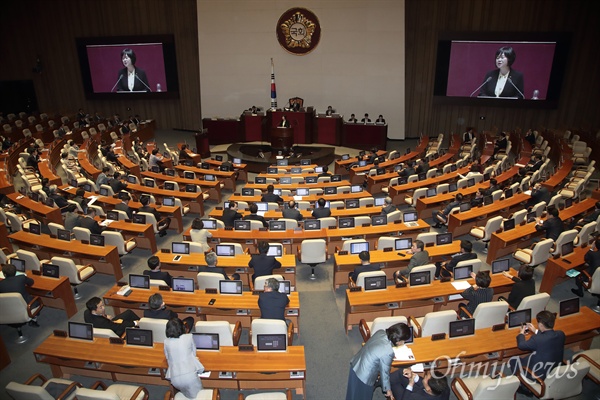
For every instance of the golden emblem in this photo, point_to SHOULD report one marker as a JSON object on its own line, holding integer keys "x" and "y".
{"x": 298, "y": 31}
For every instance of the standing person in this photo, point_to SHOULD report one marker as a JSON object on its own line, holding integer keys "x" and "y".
{"x": 468, "y": 136}
{"x": 199, "y": 234}
{"x": 407, "y": 385}
{"x": 480, "y": 292}
{"x": 524, "y": 285}
{"x": 284, "y": 123}
{"x": 375, "y": 358}
{"x": 262, "y": 264}
{"x": 503, "y": 81}
{"x": 231, "y": 214}
{"x": 420, "y": 256}
{"x": 131, "y": 78}
{"x": 365, "y": 265}
{"x": 272, "y": 303}
{"x": 183, "y": 363}
{"x": 292, "y": 212}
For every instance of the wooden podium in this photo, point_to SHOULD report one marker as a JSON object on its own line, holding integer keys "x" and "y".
{"x": 282, "y": 138}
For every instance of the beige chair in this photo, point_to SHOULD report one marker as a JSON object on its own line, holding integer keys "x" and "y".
{"x": 360, "y": 279}
{"x": 77, "y": 274}
{"x": 289, "y": 223}
{"x": 328, "y": 222}
{"x": 204, "y": 394}
{"x": 360, "y": 220}
{"x": 427, "y": 267}
{"x": 412, "y": 200}
{"x": 366, "y": 329}
{"x": 81, "y": 233}
{"x": 536, "y": 255}
{"x": 484, "y": 233}
{"x": 432, "y": 323}
{"x": 209, "y": 280}
{"x": 32, "y": 262}
{"x": 584, "y": 235}
{"x": 386, "y": 242}
{"x": 229, "y": 334}
{"x": 347, "y": 244}
{"x": 561, "y": 382}
{"x": 28, "y": 391}
{"x": 16, "y": 312}
{"x": 104, "y": 333}
{"x": 54, "y": 227}
{"x": 259, "y": 282}
{"x": 237, "y": 247}
{"x": 394, "y": 216}
{"x": 116, "y": 391}
{"x": 592, "y": 356}
{"x": 112, "y": 238}
{"x": 157, "y": 326}
{"x": 261, "y": 326}
{"x": 312, "y": 252}
{"x": 536, "y": 302}
{"x": 488, "y": 314}
{"x": 564, "y": 237}
{"x": 428, "y": 238}
{"x": 485, "y": 387}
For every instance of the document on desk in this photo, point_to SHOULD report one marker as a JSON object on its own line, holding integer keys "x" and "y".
{"x": 205, "y": 374}
{"x": 403, "y": 353}
{"x": 461, "y": 285}
{"x": 106, "y": 222}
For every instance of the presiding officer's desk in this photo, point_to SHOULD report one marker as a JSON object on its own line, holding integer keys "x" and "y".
{"x": 104, "y": 258}
{"x": 487, "y": 346}
{"x": 556, "y": 268}
{"x": 37, "y": 210}
{"x": 188, "y": 265}
{"x": 227, "y": 307}
{"x": 116, "y": 362}
{"x": 391, "y": 260}
{"x": 414, "y": 301}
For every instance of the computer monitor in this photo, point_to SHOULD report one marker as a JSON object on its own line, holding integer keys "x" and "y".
{"x": 169, "y": 172}
{"x": 226, "y": 250}
{"x": 204, "y": 165}
{"x": 487, "y": 200}
{"x": 96, "y": 240}
{"x": 209, "y": 223}
{"x": 470, "y": 182}
{"x": 262, "y": 206}
{"x": 311, "y": 179}
{"x": 453, "y": 168}
{"x": 452, "y": 187}
{"x": 230, "y": 287}
{"x": 282, "y": 163}
{"x": 168, "y": 201}
{"x": 189, "y": 175}
{"x": 206, "y": 341}
{"x": 566, "y": 249}
{"x": 568, "y": 307}
{"x": 131, "y": 179}
{"x": 378, "y": 220}
{"x": 356, "y": 189}
{"x": 422, "y": 176}
{"x": 486, "y": 176}
{"x": 312, "y": 225}
{"x": 286, "y": 180}
{"x": 295, "y": 170}
{"x": 362, "y": 153}
{"x": 509, "y": 224}
{"x": 380, "y": 171}
{"x": 464, "y": 207}
{"x": 63, "y": 234}
{"x": 247, "y": 192}
{"x": 568, "y": 202}
{"x": 219, "y": 158}
{"x": 209, "y": 178}
{"x": 81, "y": 330}
{"x": 531, "y": 216}
{"x": 50, "y": 270}
{"x": 169, "y": 186}
{"x": 180, "y": 248}
{"x": 285, "y": 287}
{"x": 112, "y": 215}
{"x": 237, "y": 160}
{"x": 261, "y": 180}
{"x": 460, "y": 328}
{"x": 241, "y": 225}
{"x": 305, "y": 161}
{"x": 419, "y": 278}
{"x": 411, "y": 336}
{"x": 375, "y": 283}
{"x": 346, "y": 222}
{"x": 407, "y": 150}
{"x": 508, "y": 193}
{"x": 345, "y": 157}
{"x": 318, "y": 170}
{"x": 190, "y": 188}
{"x": 403, "y": 244}
{"x": 352, "y": 203}
{"x": 443, "y": 238}
{"x": 379, "y": 202}
{"x": 138, "y": 337}
{"x": 276, "y": 225}
{"x": 410, "y": 216}
{"x": 224, "y": 168}
{"x": 356, "y": 248}
{"x": 336, "y": 178}
{"x": 36, "y": 197}
{"x": 403, "y": 180}
{"x": 301, "y": 192}
{"x": 431, "y": 192}
{"x": 463, "y": 272}
{"x": 87, "y": 187}
{"x": 518, "y": 318}
{"x": 271, "y": 342}
{"x": 155, "y": 168}
{"x": 103, "y": 192}
{"x": 362, "y": 163}
{"x": 330, "y": 190}
{"x": 139, "y": 281}
{"x": 274, "y": 251}
{"x": 18, "y": 263}
{"x": 499, "y": 266}
{"x": 278, "y": 192}
{"x": 36, "y": 229}
{"x": 149, "y": 182}
{"x": 185, "y": 285}
{"x": 139, "y": 219}
{"x": 271, "y": 170}
{"x": 49, "y": 202}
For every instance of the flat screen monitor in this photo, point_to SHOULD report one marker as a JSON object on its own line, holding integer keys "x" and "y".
{"x": 262, "y": 206}
{"x": 36, "y": 197}
{"x": 274, "y": 251}
{"x": 460, "y": 328}
{"x": 36, "y": 229}
{"x": 131, "y": 179}
{"x": 278, "y": 192}
{"x": 18, "y": 263}
{"x": 103, "y": 191}
{"x": 352, "y": 203}
{"x": 169, "y": 201}
{"x": 431, "y": 192}
{"x": 568, "y": 202}
{"x": 305, "y": 161}
{"x": 362, "y": 153}
{"x": 311, "y": 179}
{"x": 282, "y": 162}
{"x": 149, "y": 182}
{"x": 407, "y": 151}
{"x": 219, "y": 158}
{"x": 51, "y": 270}
{"x": 87, "y": 187}
{"x": 155, "y": 168}
{"x": 422, "y": 176}
{"x": 295, "y": 170}
{"x": 356, "y": 248}
{"x": 378, "y": 220}
{"x": 224, "y": 168}
{"x": 452, "y": 187}
{"x": 508, "y": 193}
{"x": 375, "y": 282}
{"x": 509, "y": 224}
{"x": 206, "y": 341}
{"x": 362, "y": 163}
{"x": 189, "y": 175}
{"x": 271, "y": 342}
{"x": 312, "y": 225}
{"x": 519, "y": 318}
{"x": 230, "y": 287}
{"x": 227, "y": 250}
{"x": 112, "y": 215}
{"x": 209, "y": 178}
{"x": 276, "y": 225}
{"x": 356, "y": 189}
{"x": 380, "y": 171}
{"x": 453, "y": 168}
{"x": 403, "y": 244}
{"x": 403, "y": 180}
{"x": 209, "y": 223}
{"x": 247, "y": 192}
{"x": 463, "y": 272}
{"x": 531, "y": 216}
{"x": 410, "y": 216}
{"x": 139, "y": 219}
{"x": 411, "y": 336}
{"x": 49, "y": 202}
{"x": 260, "y": 180}
{"x": 345, "y": 157}
{"x": 487, "y": 200}
{"x": 96, "y": 240}
{"x": 169, "y": 186}
{"x": 318, "y": 170}
{"x": 336, "y": 178}
{"x": 80, "y": 330}
{"x": 302, "y": 192}
{"x": 464, "y": 207}
{"x": 470, "y": 182}
{"x": 419, "y": 278}
{"x": 568, "y": 307}
{"x": 499, "y": 266}
{"x": 139, "y": 281}
{"x": 486, "y": 176}
{"x": 240, "y": 225}
{"x": 204, "y": 165}
{"x": 443, "y": 238}
{"x": 63, "y": 234}
{"x": 190, "y": 188}
{"x": 169, "y": 172}
{"x": 183, "y": 285}
{"x": 138, "y": 337}
{"x": 379, "y": 202}
{"x": 180, "y": 248}
{"x": 237, "y": 161}
{"x": 566, "y": 249}
{"x": 286, "y": 180}
{"x": 330, "y": 190}
{"x": 285, "y": 287}
{"x": 346, "y": 222}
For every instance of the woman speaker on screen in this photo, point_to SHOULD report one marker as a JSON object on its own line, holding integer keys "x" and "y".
{"x": 131, "y": 78}
{"x": 503, "y": 81}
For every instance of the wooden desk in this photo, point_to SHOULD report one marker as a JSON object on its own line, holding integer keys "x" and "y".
{"x": 217, "y": 213}
{"x": 413, "y": 301}
{"x": 296, "y": 186}
{"x": 230, "y": 308}
{"x": 391, "y": 261}
{"x": 556, "y": 268}
{"x": 143, "y": 233}
{"x": 398, "y": 192}
{"x": 114, "y": 362}
{"x": 104, "y": 258}
{"x": 228, "y": 178}
{"x": 342, "y": 165}
{"x": 311, "y": 198}
{"x": 214, "y": 187}
{"x": 37, "y": 210}
{"x": 196, "y": 199}
{"x": 558, "y": 176}
{"x": 241, "y": 169}
{"x": 4, "y": 242}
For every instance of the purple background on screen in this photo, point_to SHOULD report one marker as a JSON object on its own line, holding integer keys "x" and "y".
{"x": 105, "y": 64}
{"x": 470, "y": 61}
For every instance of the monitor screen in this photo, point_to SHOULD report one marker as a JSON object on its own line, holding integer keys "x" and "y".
{"x": 271, "y": 170}
{"x": 271, "y": 342}
{"x": 18, "y": 263}
{"x": 87, "y": 187}
{"x": 508, "y": 193}
{"x": 230, "y": 287}
{"x": 345, "y": 157}
{"x": 169, "y": 172}
{"x": 311, "y": 179}
{"x": 464, "y": 207}
{"x": 356, "y": 248}
{"x": 568, "y": 202}
{"x": 302, "y": 192}
{"x": 63, "y": 234}
{"x": 419, "y": 278}
{"x": 509, "y": 224}
{"x": 182, "y": 285}
{"x": 227, "y": 250}
{"x": 277, "y": 192}
{"x": 139, "y": 281}
{"x": 356, "y": 188}
{"x": 453, "y": 168}
{"x": 285, "y": 287}
{"x": 431, "y": 192}
{"x": 463, "y": 327}
{"x": 50, "y": 270}
{"x": 518, "y": 318}
{"x": 209, "y": 224}
{"x": 486, "y": 176}
{"x": 36, "y": 229}
{"x": 330, "y": 190}
{"x": 113, "y": 215}
{"x": 206, "y": 341}
{"x": 96, "y": 240}
{"x": 240, "y": 225}
{"x": 139, "y": 219}
{"x": 274, "y": 250}
{"x": 190, "y": 188}
{"x": 336, "y": 178}
{"x": 381, "y": 171}
{"x": 219, "y": 158}
{"x": 463, "y": 272}
{"x": 36, "y": 197}
{"x": 205, "y": 165}
{"x": 149, "y": 182}
{"x": 296, "y": 170}
{"x": 224, "y": 168}
{"x": 247, "y": 192}
{"x": 262, "y": 206}
{"x": 379, "y": 201}
{"x": 352, "y": 203}
{"x": 103, "y": 191}
{"x": 237, "y": 160}
{"x": 312, "y": 225}
{"x": 566, "y": 249}
{"x": 131, "y": 179}
{"x": 375, "y": 282}
{"x": 452, "y": 187}
{"x": 155, "y": 168}
{"x": 499, "y": 266}
{"x": 422, "y": 176}
{"x": 362, "y": 163}
{"x": 403, "y": 244}
{"x": 282, "y": 163}
{"x": 346, "y": 222}
{"x": 568, "y": 307}
{"x": 470, "y": 182}
{"x": 318, "y": 170}
{"x": 443, "y": 238}
{"x": 260, "y": 180}
{"x": 79, "y": 330}
{"x": 189, "y": 175}
{"x": 487, "y": 200}
{"x": 49, "y": 202}
{"x": 169, "y": 201}
{"x": 305, "y": 162}
{"x": 410, "y": 216}
{"x": 276, "y": 225}
{"x": 138, "y": 337}
{"x": 377, "y": 220}
{"x": 286, "y": 180}
{"x": 180, "y": 248}
{"x": 169, "y": 186}
{"x": 209, "y": 177}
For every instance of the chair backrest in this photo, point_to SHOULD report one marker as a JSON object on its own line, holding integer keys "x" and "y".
{"x": 365, "y": 201}
{"x": 157, "y": 326}
{"x": 492, "y": 226}
{"x": 327, "y": 222}
{"x": 348, "y": 243}
{"x": 538, "y": 208}
{"x": 122, "y": 215}
{"x": 443, "y": 188}
{"x": 490, "y": 389}
{"x": 262, "y": 326}
{"x": 394, "y": 216}
{"x": 81, "y": 233}
{"x": 584, "y": 234}
{"x": 419, "y": 193}
{"x": 537, "y": 303}
{"x": 541, "y": 251}
{"x": 519, "y": 216}
{"x": 595, "y": 284}
{"x": 112, "y": 238}
{"x": 289, "y": 223}
{"x": 90, "y": 394}
{"x": 476, "y": 263}
{"x": 208, "y": 280}
{"x": 27, "y": 392}
{"x": 104, "y": 333}
{"x": 360, "y": 280}
{"x": 491, "y": 313}
{"x": 67, "y": 268}
{"x": 385, "y": 322}
{"x": 385, "y": 242}
{"x": 427, "y": 237}
{"x": 14, "y": 309}
{"x": 32, "y": 262}
{"x": 150, "y": 219}
{"x": 14, "y": 222}
{"x": 427, "y": 267}
{"x": 564, "y": 237}
{"x": 565, "y": 380}
{"x": 313, "y": 251}
{"x": 259, "y": 282}
{"x": 54, "y": 227}
{"x": 437, "y": 322}
{"x": 222, "y": 328}
{"x": 255, "y": 225}
{"x": 361, "y": 219}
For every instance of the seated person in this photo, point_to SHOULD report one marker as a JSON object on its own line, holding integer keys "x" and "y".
{"x": 325, "y": 172}
{"x": 211, "y": 266}
{"x": 124, "y": 204}
{"x": 272, "y": 303}
{"x": 420, "y": 256}
{"x": 524, "y": 285}
{"x": 200, "y": 235}
{"x": 389, "y": 207}
{"x": 72, "y": 217}
{"x": 478, "y": 293}
{"x": 320, "y": 210}
{"x": 380, "y": 120}
{"x": 59, "y": 200}
{"x": 89, "y": 222}
{"x": 408, "y": 385}
{"x": 441, "y": 216}
{"x": 158, "y": 310}
{"x": 592, "y": 260}
{"x": 477, "y": 199}
{"x": 103, "y": 177}
{"x": 96, "y": 315}
{"x": 13, "y": 283}
{"x": 553, "y": 225}
{"x": 292, "y": 212}
{"x": 365, "y": 119}
{"x": 80, "y": 199}
{"x": 534, "y": 164}
{"x": 262, "y": 264}
{"x": 271, "y": 197}
{"x": 161, "y": 224}
{"x": 329, "y": 112}
{"x": 117, "y": 183}
{"x": 253, "y": 216}
{"x": 183, "y": 155}
{"x": 155, "y": 273}
{"x": 156, "y": 160}
{"x": 365, "y": 266}
{"x": 231, "y": 214}
{"x": 352, "y": 119}
{"x": 466, "y": 248}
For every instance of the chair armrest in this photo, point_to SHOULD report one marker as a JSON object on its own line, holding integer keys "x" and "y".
{"x": 247, "y": 251}
{"x": 364, "y": 330}
{"x": 240, "y": 396}
{"x": 131, "y": 240}
{"x": 413, "y": 320}
{"x": 34, "y": 377}
{"x": 458, "y": 381}
{"x": 139, "y": 390}
{"x": 351, "y": 282}
{"x": 587, "y": 358}
{"x": 464, "y": 309}
{"x": 400, "y": 279}
{"x": 446, "y": 269}
{"x": 30, "y": 305}
{"x": 68, "y": 390}
{"x": 237, "y": 332}
{"x": 525, "y": 382}
{"x": 298, "y": 252}
{"x": 337, "y": 249}
{"x": 84, "y": 267}
{"x": 587, "y": 284}
{"x": 98, "y": 383}
{"x": 169, "y": 395}
{"x": 290, "y": 333}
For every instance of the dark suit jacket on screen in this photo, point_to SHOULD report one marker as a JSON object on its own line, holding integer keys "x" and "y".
{"x": 509, "y": 90}
{"x": 138, "y": 85}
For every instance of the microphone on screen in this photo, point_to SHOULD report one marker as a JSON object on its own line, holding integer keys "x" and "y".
{"x": 515, "y": 86}
{"x": 480, "y": 86}
{"x": 143, "y": 83}
{"x": 117, "y": 82}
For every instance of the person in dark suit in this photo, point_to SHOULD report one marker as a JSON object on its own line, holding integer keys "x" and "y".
{"x": 380, "y": 120}
{"x": 292, "y": 212}
{"x": 284, "y": 123}
{"x": 80, "y": 199}
{"x": 493, "y": 187}
{"x": 131, "y": 78}
{"x": 408, "y": 170}
{"x": 352, "y": 119}
{"x": 162, "y": 224}
{"x": 553, "y": 225}
{"x": 59, "y": 200}
{"x": 466, "y": 248}
{"x": 534, "y": 164}
{"x": 524, "y": 285}
{"x": 272, "y": 303}
{"x": 592, "y": 217}
{"x": 320, "y": 210}
{"x": 373, "y": 359}
{"x": 325, "y": 172}
{"x": 89, "y": 222}
{"x": 183, "y": 154}
{"x": 546, "y": 346}
{"x": 389, "y": 207}
{"x": 329, "y": 111}
{"x": 71, "y": 217}
{"x": 33, "y": 159}
{"x": 211, "y": 266}
{"x": 365, "y": 266}
{"x": 155, "y": 273}
{"x": 13, "y": 283}
{"x": 407, "y": 385}
{"x": 480, "y": 292}
{"x": 501, "y": 143}
{"x": 365, "y": 119}
{"x": 96, "y": 315}
{"x": 468, "y": 136}
{"x": 253, "y": 216}
{"x": 538, "y": 193}
{"x": 117, "y": 183}
{"x": 441, "y": 216}
{"x": 422, "y": 166}
{"x": 504, "y": 81}
{"x": 158, "y": 310}
{"x": 420, "y": 256}
{"x": 124, "y": 205}
{"x": 592, "y": 260}
{"x": 231, "y": 214}
{"x": 271, "y": 197}
{"x": 262, "y": 264}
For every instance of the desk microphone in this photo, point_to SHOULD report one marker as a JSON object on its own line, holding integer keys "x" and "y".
{"x": 511, "y": 82}
{"x": 480, "y": 86}
{"x": 117, "y": 82}
{"x": 148, "y": 87}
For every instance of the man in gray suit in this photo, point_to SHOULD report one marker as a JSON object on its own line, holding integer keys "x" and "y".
{"x": 375, "y": 358}
{"x": 389, "y": 207}
{"x": 292, "y": 212}
{"x": 420, "y": 256}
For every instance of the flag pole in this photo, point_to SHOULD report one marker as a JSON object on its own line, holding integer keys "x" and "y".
{"x": 273, "y": 88}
